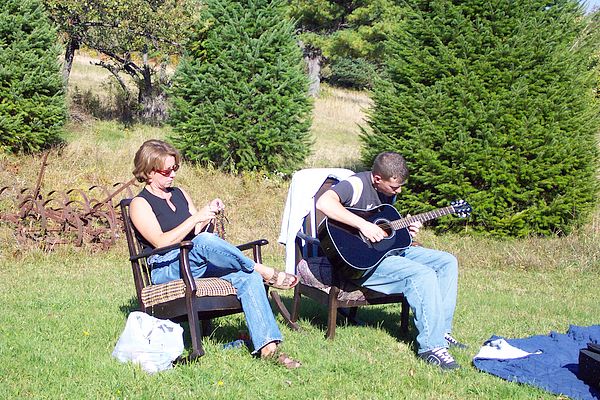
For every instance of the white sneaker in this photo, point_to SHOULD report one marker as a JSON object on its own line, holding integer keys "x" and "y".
{"x": 440, "y": 357}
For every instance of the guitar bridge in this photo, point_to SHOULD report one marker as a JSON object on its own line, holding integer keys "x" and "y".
{"x": 365, "y": 240}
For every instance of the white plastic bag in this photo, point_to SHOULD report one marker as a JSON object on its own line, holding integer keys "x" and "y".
{"x": 151, "y": 342}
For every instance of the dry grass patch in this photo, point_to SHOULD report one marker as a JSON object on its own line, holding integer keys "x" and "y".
{"x": 96, "y": 154}
{"x": 337, "y": 117}
{"x": 85, "y": 75}
{"x": 101, "y": 153}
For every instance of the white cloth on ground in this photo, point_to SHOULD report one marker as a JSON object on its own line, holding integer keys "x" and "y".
{"x": 500, "y": 349}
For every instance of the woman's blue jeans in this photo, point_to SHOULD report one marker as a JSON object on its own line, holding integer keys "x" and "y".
{"x": 211, "y": 256}
{"x": 429, "y": 280}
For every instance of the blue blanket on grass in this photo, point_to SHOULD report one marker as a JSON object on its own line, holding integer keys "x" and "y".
{"x": 555, "y": 370}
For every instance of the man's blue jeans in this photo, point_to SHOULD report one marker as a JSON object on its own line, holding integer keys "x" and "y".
{"x": 211, "y": 256}
{"x": 429, "y": 280}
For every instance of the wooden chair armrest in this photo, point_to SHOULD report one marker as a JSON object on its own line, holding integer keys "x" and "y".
{"x": 310, "y": 247}
{"x": 253, "y": 244}
{"x": 184, "y": 264}
{"x": 256, "y": 246}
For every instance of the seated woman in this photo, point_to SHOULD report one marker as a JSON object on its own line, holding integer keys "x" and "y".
{"x": 164, "y": 215}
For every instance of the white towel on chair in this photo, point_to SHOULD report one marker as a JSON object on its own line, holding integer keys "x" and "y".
{"x": 300, "y": 201}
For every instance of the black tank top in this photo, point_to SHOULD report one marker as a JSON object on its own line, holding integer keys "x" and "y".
{"x": 167, "y": 218}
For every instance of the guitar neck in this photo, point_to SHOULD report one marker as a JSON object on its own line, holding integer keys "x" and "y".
{"x": 423, "y": 217}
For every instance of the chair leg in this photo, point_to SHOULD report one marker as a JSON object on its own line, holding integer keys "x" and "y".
{"x": 332, "y": 312}
{"x": 195, "y": 333}
{"x": 404, "y": 316}
{"x": 284, "y": 311}
{"x": 296, "y": 304}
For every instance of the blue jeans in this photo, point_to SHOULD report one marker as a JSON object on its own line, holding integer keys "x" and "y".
{"x": 211, "y": 256}
{"x": 429, "y": 280}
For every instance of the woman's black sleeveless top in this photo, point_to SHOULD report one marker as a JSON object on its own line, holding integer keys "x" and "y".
{"x": 167, "y": 218}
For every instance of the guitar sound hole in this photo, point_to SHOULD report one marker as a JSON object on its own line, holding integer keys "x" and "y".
{"x": 389, "y": 232}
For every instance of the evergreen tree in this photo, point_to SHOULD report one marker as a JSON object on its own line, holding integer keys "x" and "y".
{"x": 343, "y": 39}
{"x": 240, "y": 95}
{"x": 32, "y": 104}
{"x": 493, "y": 102}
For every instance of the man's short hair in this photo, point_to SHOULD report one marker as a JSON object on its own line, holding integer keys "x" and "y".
{"x": 390, "y": 164}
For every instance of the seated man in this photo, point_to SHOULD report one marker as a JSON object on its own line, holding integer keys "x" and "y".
{"x": 427, "y": 278}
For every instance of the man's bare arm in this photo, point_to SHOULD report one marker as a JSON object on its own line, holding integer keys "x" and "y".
{"x": 329, "y": 203}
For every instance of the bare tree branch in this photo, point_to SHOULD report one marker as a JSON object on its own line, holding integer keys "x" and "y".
{"x": 114, "y": 70}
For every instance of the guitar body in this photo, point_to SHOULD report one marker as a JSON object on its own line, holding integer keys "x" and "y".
{"x": 352, "y": 254}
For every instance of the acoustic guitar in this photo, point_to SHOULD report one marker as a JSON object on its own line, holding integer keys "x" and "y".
{"x": 354, "y": 255}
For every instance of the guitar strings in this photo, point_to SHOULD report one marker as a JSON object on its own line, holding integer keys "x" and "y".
{"x": 426, "y": 216}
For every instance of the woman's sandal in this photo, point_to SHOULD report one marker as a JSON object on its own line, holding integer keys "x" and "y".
{"x": 284, "y": 360}
{"x": 289, "y": 281}
{"x": 288, "y": 362}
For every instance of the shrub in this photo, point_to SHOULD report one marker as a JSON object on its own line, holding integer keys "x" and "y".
{"x": 240, "y": 95}
{"x": 493, "y": 103}
{"x": 114, "y": 103}
{"x": 32, "y": 109}
{"x": 354, "y": 73}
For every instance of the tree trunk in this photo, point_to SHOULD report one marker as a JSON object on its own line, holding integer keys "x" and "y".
{"x": 72, "y": 46}
{"x": 145, "y": 86}
{"x": 151, "y": 98}
{"x": 313, "y": 58}
{"x": 154, "y": 108}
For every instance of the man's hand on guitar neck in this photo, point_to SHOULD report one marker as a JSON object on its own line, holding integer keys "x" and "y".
{"x": 414, "y": 228}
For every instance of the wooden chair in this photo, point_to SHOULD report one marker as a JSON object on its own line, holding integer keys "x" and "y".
{"x": 195, "y": 300}
{"x": 320, "y": 282}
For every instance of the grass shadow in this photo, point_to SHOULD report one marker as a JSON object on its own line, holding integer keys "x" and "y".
{"x": 224, "y": 331}
{"x": 227, "y": 329}
{"x": 386, "y": 317}
{"x": 130, "y": 306}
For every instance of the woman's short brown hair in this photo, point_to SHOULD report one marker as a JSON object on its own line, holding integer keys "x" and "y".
{"x": 151, "y": 156}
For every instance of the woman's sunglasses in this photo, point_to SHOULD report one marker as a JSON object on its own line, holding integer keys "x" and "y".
{"x": 167, "y": 172}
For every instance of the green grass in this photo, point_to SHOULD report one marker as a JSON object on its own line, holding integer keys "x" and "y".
{"x": 62, "y": 312}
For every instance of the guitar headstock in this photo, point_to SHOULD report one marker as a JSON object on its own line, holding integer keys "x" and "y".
{"x": 461, "y": 208}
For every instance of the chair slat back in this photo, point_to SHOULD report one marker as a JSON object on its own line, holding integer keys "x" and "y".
{"x": 140, "y": 269}
{"x": 314, "y": 218}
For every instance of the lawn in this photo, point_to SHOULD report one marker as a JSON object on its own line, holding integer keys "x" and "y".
{"x": 63, "y": 311}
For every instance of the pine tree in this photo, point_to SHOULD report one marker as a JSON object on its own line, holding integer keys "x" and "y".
{"x": 240, "y": 96}
{"x": 344, "y": 40}
{"x": 32, "y": 103}
{"x": 493, "y": 102}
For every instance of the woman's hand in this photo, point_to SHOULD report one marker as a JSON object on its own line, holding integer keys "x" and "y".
{"x": 209, "y": 211}
{"x": 216, "y": 205}
{"x": 204, "y": 215}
